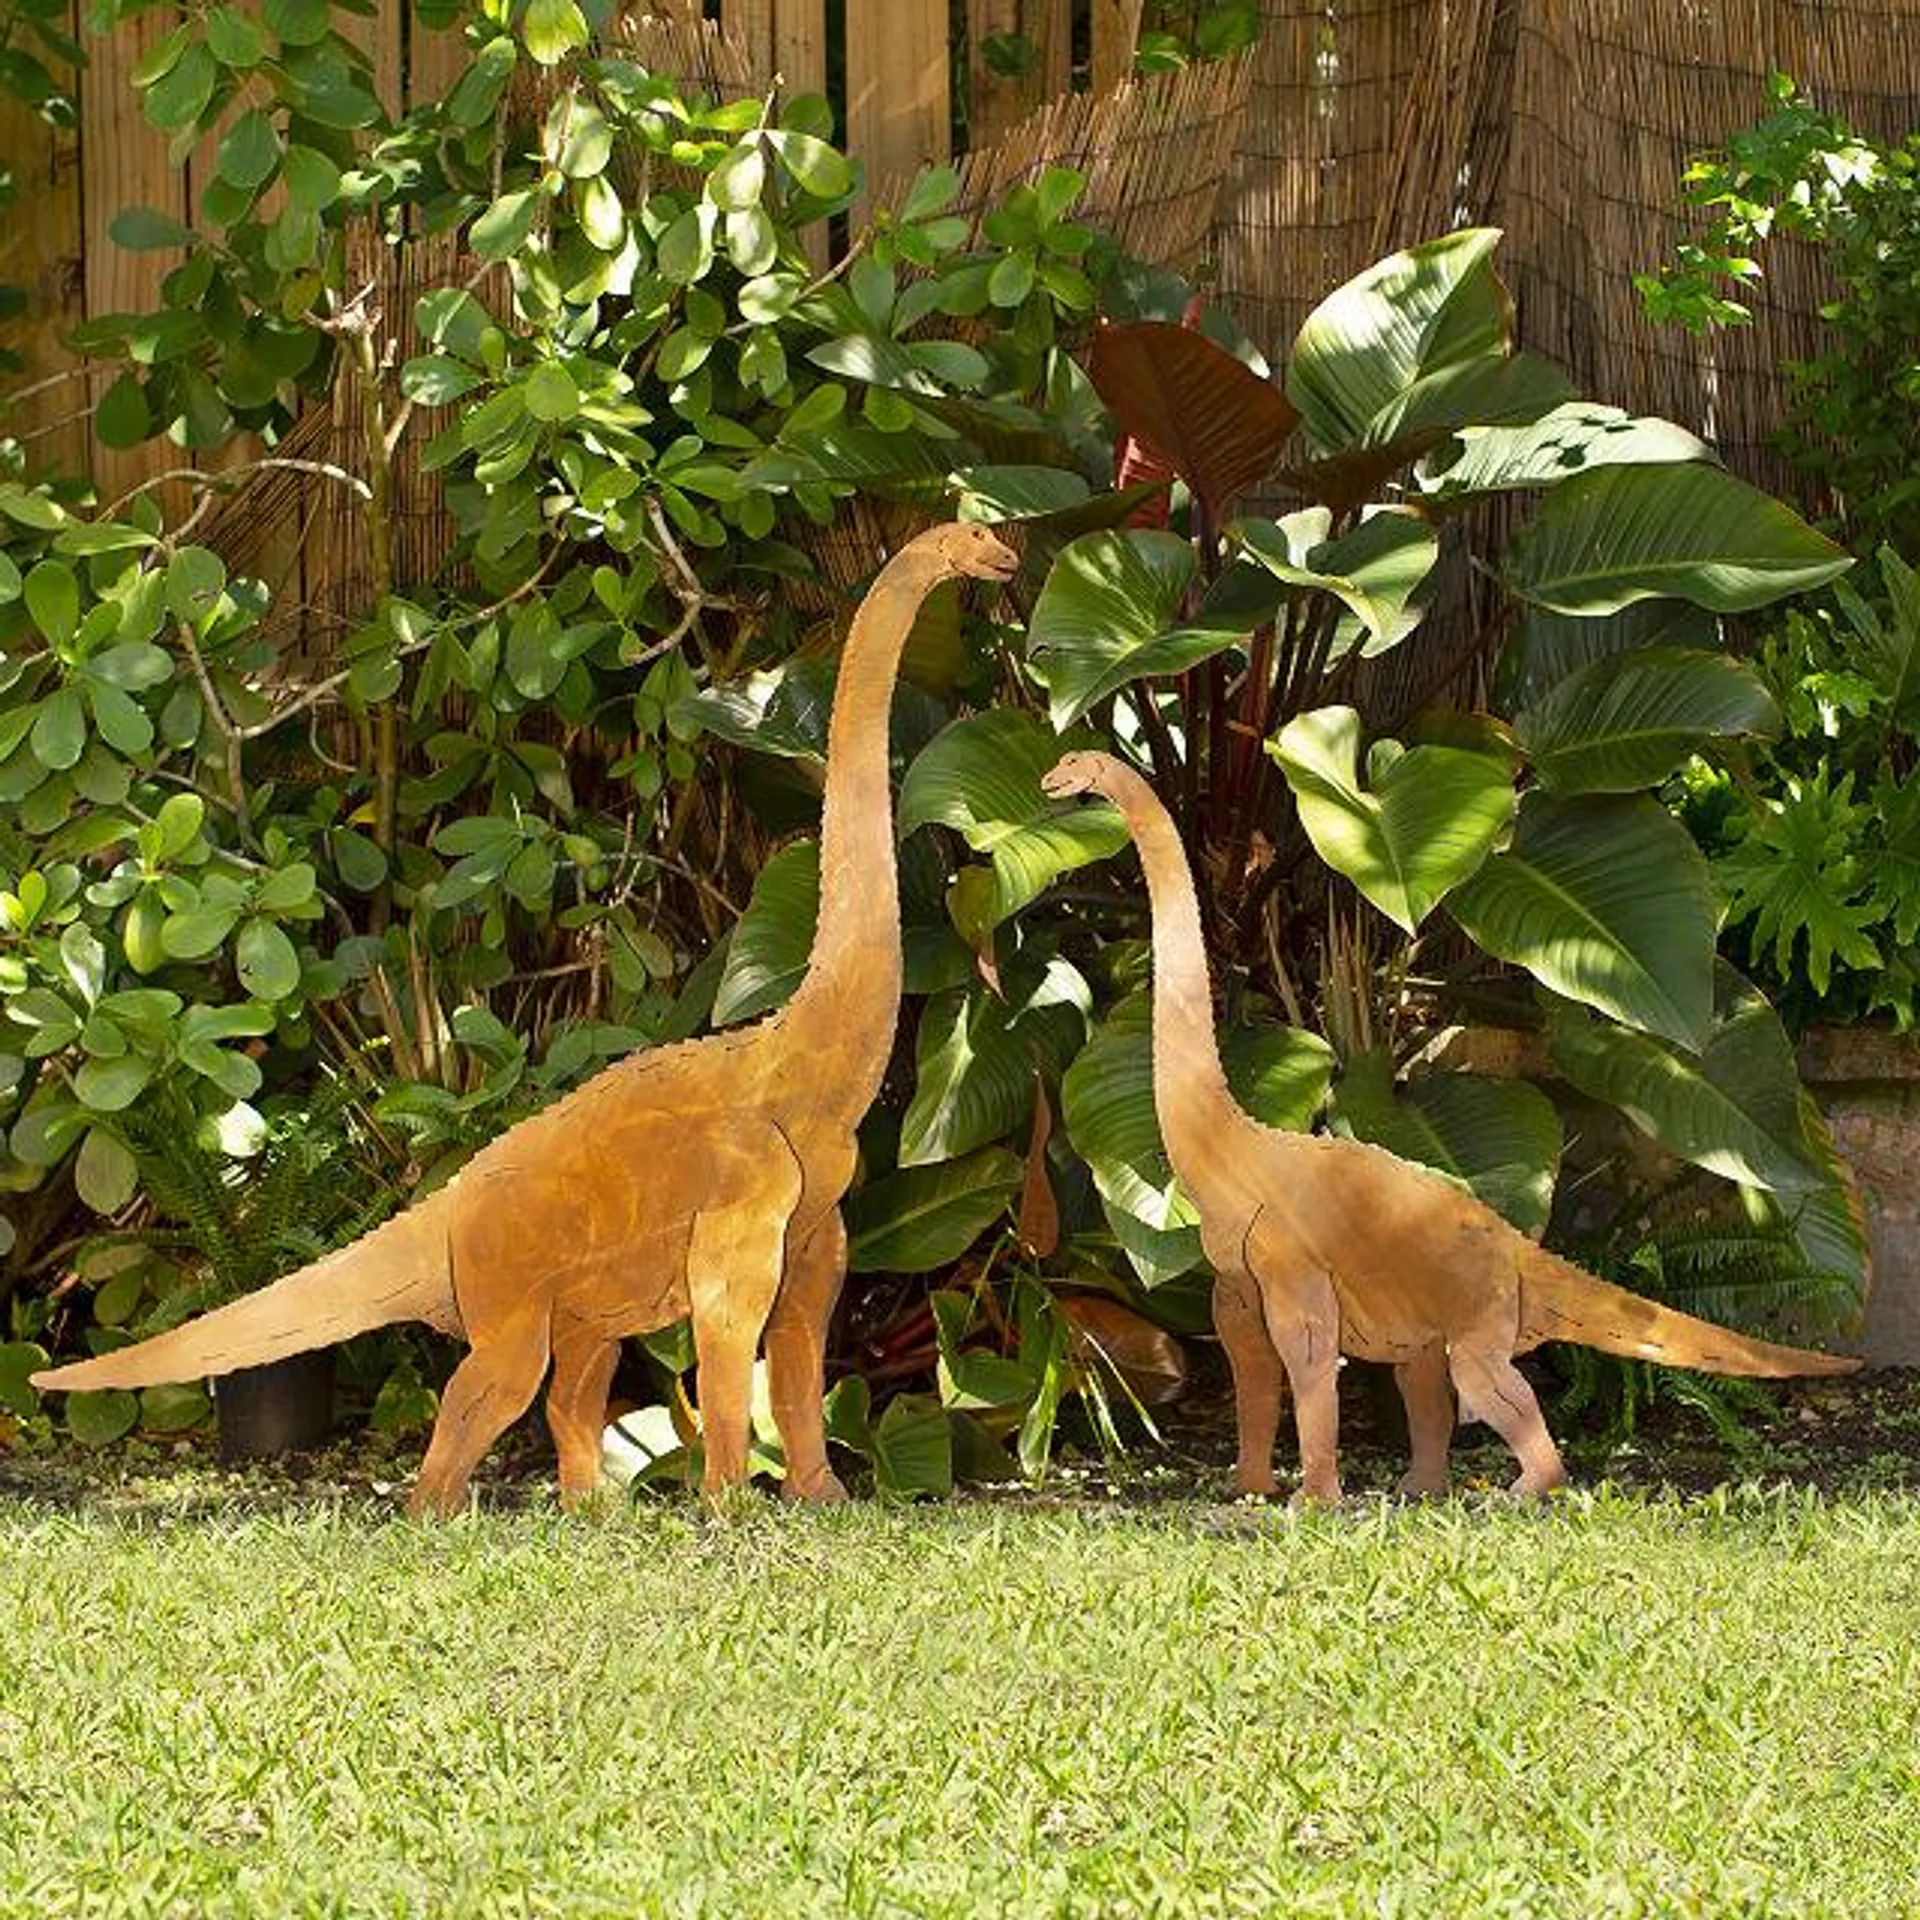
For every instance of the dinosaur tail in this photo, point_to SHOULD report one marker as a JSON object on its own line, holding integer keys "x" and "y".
{"x": 399, "y": 1271}
{"x": 1560, "y": 1302}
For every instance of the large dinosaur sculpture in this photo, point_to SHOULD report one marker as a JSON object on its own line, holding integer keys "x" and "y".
{"x": 702, "y": 1178}
{"x": 1325, "y": 1246}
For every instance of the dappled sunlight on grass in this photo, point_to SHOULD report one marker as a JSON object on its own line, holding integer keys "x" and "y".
{"x": 1612, "y": 1704}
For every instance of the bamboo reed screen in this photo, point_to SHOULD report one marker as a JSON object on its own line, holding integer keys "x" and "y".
{"x": 1357, "y": 125}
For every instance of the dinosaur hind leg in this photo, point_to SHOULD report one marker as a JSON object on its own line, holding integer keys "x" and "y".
{"x": 1258, "y": 1379}
{"x": 796, "y": 1358}
{"x": 490, "y": 1389}
{"x": 1493, "y": 1389}
{"x": 583, "y": 1362}
{"x": 734, "y": 1259}
{"x": 1428, "y": 1398}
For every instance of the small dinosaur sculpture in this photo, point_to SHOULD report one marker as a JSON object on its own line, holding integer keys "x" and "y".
{"x": 701, "y": 1178}
{"x": 1323, "y": 1246}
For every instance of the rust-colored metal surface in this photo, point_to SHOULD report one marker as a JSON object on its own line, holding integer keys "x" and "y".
{"x": 1323, "y": 1247}
{"x": 703, "y": 1178}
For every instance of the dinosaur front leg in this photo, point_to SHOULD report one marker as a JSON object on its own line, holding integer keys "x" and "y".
{"x": 734, "y": 1256}
{"x": 796, "y": 1358}
{"x": 1428, "y": 1397}
{"x": 583, "y": 1363}
{"x": 1258, "y": 1379}
{"x": 1303, "y": 1321}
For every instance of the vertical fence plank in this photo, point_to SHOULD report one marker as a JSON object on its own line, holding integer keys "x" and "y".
{"x": 124, "y": 164}
{"x": 1116, "y": 26}
{"x": 40, "y": 253}
{"x": 994, "y": 100}
{"x": 800, "y": 45}
{"x": 897, "y": 87}
{"x": 1051, "y": 30}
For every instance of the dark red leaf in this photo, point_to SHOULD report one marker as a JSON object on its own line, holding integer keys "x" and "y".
{"x": 1213, "y": 421}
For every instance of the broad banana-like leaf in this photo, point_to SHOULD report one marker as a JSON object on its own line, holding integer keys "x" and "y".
{"x": 1106, "y": 617}
{"x": 1689, "y": 531}
{"x": 1417, "y": 346}
{"x": 1606, "y": 900}
{"x": 1213, "y": 420}
{"x": 923, "y": 1218}
{"x": 1374, "y": 569}
{"x": 1733, "y": 1108}
{"x": 1574, "y": 438}
{"x": 1628, "y": 721}
{"x": 981, "y": 776}
{"x": 1499, "y": 1138}
{"x": 1427, "y": 821}
{"x": 768, "y": 952}
{"x": 1279, "y": 1074}
{"x": 1547, "y": 646}
{"x": 976, "y": 1058}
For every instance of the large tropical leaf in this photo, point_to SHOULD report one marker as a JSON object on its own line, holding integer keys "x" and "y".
{"x": 1733, "y": 1108}
{"x": 981, "y": 776}
{"x": 1606, "y": 539}
{"x": 1572, "y": 439}
{"x": 976, "y": 1059}
{"x": 1374, "y": 569}
{"x": 1547, "y": 646}
{"x": 1106, "y": 617}
{"x": 923, "y": 1218}
{"x": 1628, "y": 721}
{"x": 783, "y": 711}
{"x": 1416, "y": 346}
{"x": 1213, "y": 420}
{"x": 1500, "y": 1138}
{"x": 768, "y": 953}
{"x": 1427, "y": 820}
{"x": 1607, "y": 901}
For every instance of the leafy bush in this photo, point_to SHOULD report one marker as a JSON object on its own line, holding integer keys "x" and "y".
{"x": 497, "y": 830}
{"x": 1853, "y": 418}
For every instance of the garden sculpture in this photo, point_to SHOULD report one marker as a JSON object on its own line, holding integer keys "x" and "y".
{"x": 700, "y": 1178}
{"x": 1325, "y": 1246}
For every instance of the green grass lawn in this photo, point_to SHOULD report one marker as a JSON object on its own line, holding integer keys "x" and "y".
{"x": 1624, "y": 1705}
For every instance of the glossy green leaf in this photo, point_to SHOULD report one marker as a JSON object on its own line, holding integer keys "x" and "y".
{"x": 1733, "y": 1108}
{"x": 767, "y": 956}
{"x": 99, "y": 1419}
{"x": 981, "y": 776}
{"x": 1499, "y": 1138}
{"x": 1606, "y": 901}
{"x": 1105, "y": 618}
{"x": 1424, "y": 821}
{"x": 978, "y": 1060}
{"x": 1374, "y": 569}
{"x": 924, "y": 1218}
{"x": 1573, "y": 439}
{"x": 1688, "y": 531}
{"x": 105, "y": 1175}
{"x": 1364, "y": 348}
{"x": 1629, "y": 721}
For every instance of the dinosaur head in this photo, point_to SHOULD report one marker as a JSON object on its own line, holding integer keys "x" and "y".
{"x": 1077, "y": 773}
{"x": 973, "y": 550}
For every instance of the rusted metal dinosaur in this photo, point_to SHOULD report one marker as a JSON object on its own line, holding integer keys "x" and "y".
{"x": 702, "y": 1178}
{"x": 1324, "y": 1246}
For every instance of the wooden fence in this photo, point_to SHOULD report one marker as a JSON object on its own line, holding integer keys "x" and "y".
{"x": 1371, "y": 123}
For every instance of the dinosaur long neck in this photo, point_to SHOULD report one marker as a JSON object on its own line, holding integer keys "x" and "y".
{"x": 1189, "y": 1084}
{"x": 838, "y": 1027}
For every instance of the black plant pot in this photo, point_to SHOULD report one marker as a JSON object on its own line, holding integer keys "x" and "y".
{"x": 284, "y": 1407}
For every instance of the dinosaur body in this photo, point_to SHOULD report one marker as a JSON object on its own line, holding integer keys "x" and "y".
{"x": 703, "y": 1178}
{"x": 1323, "y": 1247}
